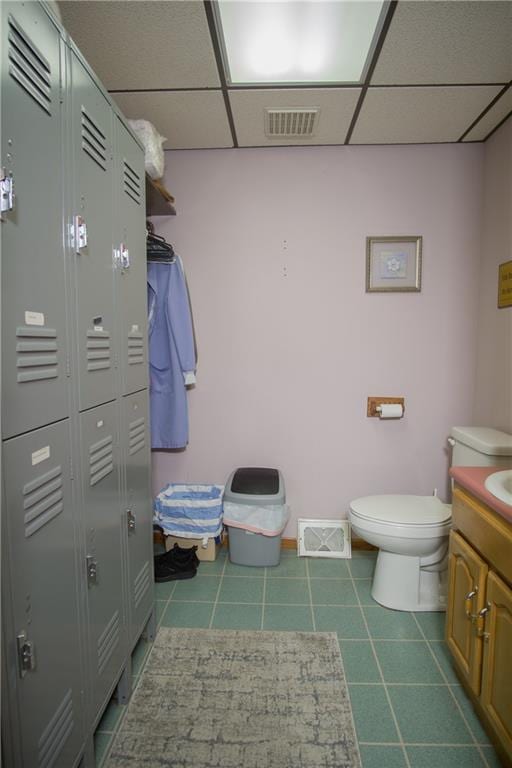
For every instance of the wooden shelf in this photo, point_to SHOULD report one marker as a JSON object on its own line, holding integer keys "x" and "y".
{"x": 159, "y": 202}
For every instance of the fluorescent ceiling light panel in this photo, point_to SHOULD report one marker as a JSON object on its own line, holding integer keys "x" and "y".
{"x": 297, "y": 42}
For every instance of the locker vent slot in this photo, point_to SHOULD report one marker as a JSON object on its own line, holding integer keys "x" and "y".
{"x": 107, "y": 643}
{"x": 141, "y": 584}
{"x": 132, "y": 183}
{"x": 28, "y": 66}
{"x": 98, "y": 350}
{"x": 37, "y": 354}
{"x": 56, "y": 733}
{"x": 135, "y": 348}
{"x": 94, "y": 141}
{"x": 101, "y": 460}
{"x": 42, "y": 500}
{"x": 137, "y": 436}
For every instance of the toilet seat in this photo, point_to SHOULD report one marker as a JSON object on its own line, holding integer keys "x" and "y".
{"x": 402, "y": 511}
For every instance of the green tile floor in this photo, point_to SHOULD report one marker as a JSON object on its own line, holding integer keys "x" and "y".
{"x": 408, "y": 708}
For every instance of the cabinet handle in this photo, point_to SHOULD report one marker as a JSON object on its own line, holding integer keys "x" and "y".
{"x": 480, "y": 622}
{"x": 468, "y": 601}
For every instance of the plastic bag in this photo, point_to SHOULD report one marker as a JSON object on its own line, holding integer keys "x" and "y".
{"x": 268, "y": 519}
{"x": 153, "y": 151}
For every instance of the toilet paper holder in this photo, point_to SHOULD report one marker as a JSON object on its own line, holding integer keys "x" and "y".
{"x": 374, "y": 404}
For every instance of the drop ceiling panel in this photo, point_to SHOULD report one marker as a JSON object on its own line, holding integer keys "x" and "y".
{"x": 492, "y": 118}
{"x": 139, "y": 45}
{"x": 417, "y": 115}
{"x": 336, "y": 107}
{"x": 188, "y": 119}
{"x": 447, "y": 42}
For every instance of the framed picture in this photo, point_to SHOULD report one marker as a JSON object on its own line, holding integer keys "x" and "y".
{"x": 393, "y": 264}
{"x": 505, "y": 285}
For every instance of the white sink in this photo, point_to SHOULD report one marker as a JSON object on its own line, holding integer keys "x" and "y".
{"x": 500, "y": 485}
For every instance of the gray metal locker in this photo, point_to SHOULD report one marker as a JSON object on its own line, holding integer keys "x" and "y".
{"x": 131, "y": 245}
{"x": 34, "y": 345}
{"x": 102, "y": 510}
{"x": 77, "y": 545}
{"x": 92, "y": 221}
{"x": 138, "y": 509}
{"x": 44, "y": 654}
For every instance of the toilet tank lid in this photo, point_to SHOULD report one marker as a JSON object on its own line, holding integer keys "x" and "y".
{"x": 492, "y": 442}
{"x": 402, "y": 509}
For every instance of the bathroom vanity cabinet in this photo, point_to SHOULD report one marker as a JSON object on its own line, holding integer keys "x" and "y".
{"x": 479, "y": 612}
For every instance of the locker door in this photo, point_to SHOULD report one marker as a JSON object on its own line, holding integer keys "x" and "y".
{"x": 43, "y": 584}
{"x": 93, "y": 259}
{"x": 103, "y": 535}
{"x": 131, "y": 241}
{"x": 34, "y": 346}
{"x": 135, "y": 438}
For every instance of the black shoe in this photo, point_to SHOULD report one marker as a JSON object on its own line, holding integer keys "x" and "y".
{"x": 180, "y": 556}
{"x": 165, "y": 570}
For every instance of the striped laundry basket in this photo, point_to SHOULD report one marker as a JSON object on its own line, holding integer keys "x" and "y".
{"x": 190, "y": 511}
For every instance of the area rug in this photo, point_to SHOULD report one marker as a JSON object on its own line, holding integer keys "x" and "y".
{"x": 239, "y": 699}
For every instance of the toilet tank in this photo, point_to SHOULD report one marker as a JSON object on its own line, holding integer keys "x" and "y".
{"x": 480, "y": 447}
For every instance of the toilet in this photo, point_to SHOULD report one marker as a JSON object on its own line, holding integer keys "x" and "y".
{"x": 411, "y": 532}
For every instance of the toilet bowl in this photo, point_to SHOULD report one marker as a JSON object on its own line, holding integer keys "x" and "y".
{"x": 411, "y": 533}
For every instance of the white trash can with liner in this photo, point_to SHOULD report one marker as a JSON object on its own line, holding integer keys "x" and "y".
{"x": 255, "y": 514}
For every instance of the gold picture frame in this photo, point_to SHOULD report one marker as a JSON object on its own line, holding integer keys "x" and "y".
{"x": 505, "y": 285}
{"x": 393, "y": 264}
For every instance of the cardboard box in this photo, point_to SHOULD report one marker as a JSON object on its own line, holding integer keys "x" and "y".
{"x": 208, "y": 553}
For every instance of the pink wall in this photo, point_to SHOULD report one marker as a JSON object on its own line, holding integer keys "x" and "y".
{"x": 290, "y": 345}
{"x": 493, "y": 405}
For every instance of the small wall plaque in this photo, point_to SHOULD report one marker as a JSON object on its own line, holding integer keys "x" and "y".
{"x": 505, "y": 285}
{"x": 393, "y": 263}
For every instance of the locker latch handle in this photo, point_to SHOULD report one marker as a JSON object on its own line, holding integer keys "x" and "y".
{"x": 92, "y": 570}
{"x": 124, "y": 256}
{"x": 6, "y": 191}
{"x": 79, "y": 233}
{"x": 130, "y": 521}
{"x": 26, "y": 654}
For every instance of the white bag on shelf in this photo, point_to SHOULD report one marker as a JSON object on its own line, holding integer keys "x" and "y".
{"x": 152, "y": 142}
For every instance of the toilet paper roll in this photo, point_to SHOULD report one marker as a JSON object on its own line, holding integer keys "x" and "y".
{"x": 391, "y": 411}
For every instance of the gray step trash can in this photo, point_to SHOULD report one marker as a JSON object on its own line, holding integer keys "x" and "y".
{"x": 255, "y": 514}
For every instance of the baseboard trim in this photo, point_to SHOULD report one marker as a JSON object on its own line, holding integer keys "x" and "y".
{"x": 286, "y": 543}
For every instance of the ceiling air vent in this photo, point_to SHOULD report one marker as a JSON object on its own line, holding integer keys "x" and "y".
{"x": 290, "y": 123}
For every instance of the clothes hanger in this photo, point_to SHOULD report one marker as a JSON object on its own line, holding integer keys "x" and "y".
{"x": 157, "y": 248}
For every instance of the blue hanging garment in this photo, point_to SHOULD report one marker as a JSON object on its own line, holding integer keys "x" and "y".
{"x": 172, "y": 358}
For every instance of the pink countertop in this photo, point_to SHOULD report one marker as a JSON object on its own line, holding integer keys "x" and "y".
{"x": 473, "y": 478}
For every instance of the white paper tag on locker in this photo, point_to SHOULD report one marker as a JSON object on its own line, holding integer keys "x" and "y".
{"x": 41, "y": 455}
{"x": 34, "y": 318}
{"x": 99, "y": 423}
{"x": 98, "y": 327}
{"x": 135, "y": 328}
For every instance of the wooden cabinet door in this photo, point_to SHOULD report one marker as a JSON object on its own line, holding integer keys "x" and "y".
{"x": 466, "y": 596}
{"x": 496, "y": 694}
